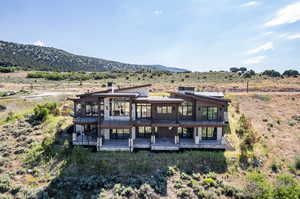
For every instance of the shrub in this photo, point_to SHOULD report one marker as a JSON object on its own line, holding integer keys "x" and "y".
{"x": 286, "y": 187}
{"x": 7, "y": 69}
{"x": 41, "y": 112}
{"x": 275, "y": 167}
{"x": 209, "y": 182}
{"x": 257, "y": 187}
{"x": 4, "y": 183}
{"x": 290, "y": 73}
{"x": 271, "y": 73}
{"x": 79, "y": 155}
{"x": 297, "y": 163}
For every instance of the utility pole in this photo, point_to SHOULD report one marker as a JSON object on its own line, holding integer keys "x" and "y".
{"x": 247, "y": 86}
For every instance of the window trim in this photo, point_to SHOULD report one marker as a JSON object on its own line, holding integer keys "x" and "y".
{"x": 184, "y": 109}
{"x": 140, "y": 113}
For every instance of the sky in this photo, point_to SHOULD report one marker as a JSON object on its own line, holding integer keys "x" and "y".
{"x": 199, "y": 35}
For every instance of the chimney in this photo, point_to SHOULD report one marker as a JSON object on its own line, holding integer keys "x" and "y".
{"x": 112, "y": 86}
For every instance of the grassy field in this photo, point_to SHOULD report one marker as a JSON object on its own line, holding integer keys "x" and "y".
{"x": 37, "y": 159}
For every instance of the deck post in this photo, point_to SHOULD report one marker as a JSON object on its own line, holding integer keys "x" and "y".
{"x": 199, "y": 134}
{"x": 106, "y": 134}
{"x": 74, "y": 137}
{"x": 152, "y": 139}
{"x": 196, "y": 135}
{"x": 219, "y": 133}
{"x": 133, "y": 136}
{"x": 99, "y": 143}
{"x": 176, "y": 138}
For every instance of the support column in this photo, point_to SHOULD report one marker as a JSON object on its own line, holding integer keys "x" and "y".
{"x": 133, "y": 133}
{"x": 152, "y": 139}
{"x": 200, "y": 133}
{"x": 219, "y": 133}
{"x": 226, "y": 116}
{"x": 106, "y": 134}
{"x": 196, "y": 135}
{"x": 176, "y": 139}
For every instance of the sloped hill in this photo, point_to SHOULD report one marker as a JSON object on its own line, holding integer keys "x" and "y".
{"x": 47, "y": 58}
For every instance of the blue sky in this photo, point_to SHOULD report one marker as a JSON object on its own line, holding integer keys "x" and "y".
{"x": 198, "y": 35}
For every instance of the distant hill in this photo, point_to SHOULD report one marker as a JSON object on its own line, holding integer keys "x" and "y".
{"x": 52, "y": 59}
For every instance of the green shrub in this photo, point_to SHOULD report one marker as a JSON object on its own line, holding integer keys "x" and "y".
{"x": 41, "y": 112}
{"x": 7, "y": 69}
{"x": 257, "y": 187}
{"x": 4, "y": 183}
{"x": 286, "y": 187}
{"x": 79, "y": 155}
{"x": 297, "y": 163}
{"x": 209, "y": 182}
{"x": 275, "y": 167}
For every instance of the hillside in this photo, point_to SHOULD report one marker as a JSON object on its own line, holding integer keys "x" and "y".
{"x": 47, "y": 58}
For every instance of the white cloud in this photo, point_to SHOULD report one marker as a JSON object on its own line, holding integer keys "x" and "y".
{"x": 294, "y": 36}
{"x": 264, "y": 47}
{"x": 39, "y": 43}
{"x": 254, "y": 60}
{"x": 250, "y": 3}
{"x": 289, "y": 14}
{"x": 267, "y": 33}
{"x": 157, "y": 12}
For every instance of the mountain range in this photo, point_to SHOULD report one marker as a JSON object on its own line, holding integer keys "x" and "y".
{"x": 34, "y": 57}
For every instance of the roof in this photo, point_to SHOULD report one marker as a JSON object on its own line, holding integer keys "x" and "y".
{"x": 158, "y": 99}
{"x": 199, "y": 95}
{"x": 210, "y": 94}
{"x": 116, "y": 94}
{"x": 118, "y": 89}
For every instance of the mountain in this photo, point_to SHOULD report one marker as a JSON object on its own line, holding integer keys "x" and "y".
{"x": 52, "y": 59}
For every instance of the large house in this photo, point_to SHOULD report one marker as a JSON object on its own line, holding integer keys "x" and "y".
{"x": 124, "y": 119}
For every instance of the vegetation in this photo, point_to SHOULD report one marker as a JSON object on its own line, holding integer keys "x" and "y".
{"x": 81, "y": 76}
{"x": 52, "y": 59}
{"x": 290, "y": 73}
{"x": 271, "y": 73}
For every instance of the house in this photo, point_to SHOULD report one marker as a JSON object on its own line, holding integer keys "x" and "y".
{"x": 124, "y": 119}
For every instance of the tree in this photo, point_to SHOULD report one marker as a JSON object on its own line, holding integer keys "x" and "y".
{"x": 290, "y": 73}
{"x": 271, "y": 73}
{"x": 234, "y": 69}
{"x": 243, "y": 69}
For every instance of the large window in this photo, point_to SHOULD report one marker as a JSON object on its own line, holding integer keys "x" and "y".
{"x": 185, "y": 132}
{"x": 78, "y": 109}
{"x": 143, "y": 110}
{"x": 186, "y": 108}
{"x": 164, "y": 109}
{"x": 209, "y": 133}
{"x": 144, "y": 131}
{"x": 95, "y": 109}
{"x": 88, "y": 110}
{"x": 209, "y": 113}
{"x": 119, "y": 133}
{"x": 119, "y": 107}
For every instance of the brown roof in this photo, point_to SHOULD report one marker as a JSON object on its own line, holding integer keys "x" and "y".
{"x": 191, "y": 95}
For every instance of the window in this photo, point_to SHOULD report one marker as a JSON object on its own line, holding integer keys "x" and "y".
{"x": 95, "y": 110}
{"x": 186, "y": 109}
{"x": 185, "y": 132}
{"x": 144, "y": 131}
{"x": 88, "y": 110}
{"x": 209, "y": 113}
{"x": 164, "y": 109}
{"x": 119, "y": 107}
{"x": 78, "y": 109}
{"x": 119, "y": 133}
{"x": 101, "y": 108}
{"x": 209, "y": 133}
{"x": 90, "y": 128}
{"x": 143, "y": 110}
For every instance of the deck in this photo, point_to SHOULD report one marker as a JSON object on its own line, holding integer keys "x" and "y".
{"x": 115, "y": 145}
{"x": 161, "y": 144}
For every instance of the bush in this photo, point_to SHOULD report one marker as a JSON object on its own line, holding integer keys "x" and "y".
{"x": 7, "y": 69}
{"x": 290, "y": 73}
{"x": 297, "y": 163}
{"x": 286, "y": 187}
{"x": 271, "y": 73}
{"x": 4, "y": 183}
{"x": 41, "y": 112}
{"x": 257, "y": 187}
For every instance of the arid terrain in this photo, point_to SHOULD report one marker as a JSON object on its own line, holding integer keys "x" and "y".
{"x": 37, "y": 159}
